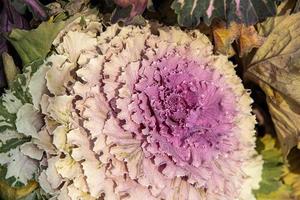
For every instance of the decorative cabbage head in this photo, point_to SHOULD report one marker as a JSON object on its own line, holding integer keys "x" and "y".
{"x": 143, "y": 113}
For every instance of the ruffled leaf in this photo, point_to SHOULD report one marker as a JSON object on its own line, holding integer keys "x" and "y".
{"x": 12, "y": 100}
{"x": 126, "y": 155}
{"x": 29, "y": 120}
{"x": 18, "y": 167}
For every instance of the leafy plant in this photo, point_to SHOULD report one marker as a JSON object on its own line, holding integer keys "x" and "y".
{"x": 150, "y": 108}
{"x": 191, "y": 12}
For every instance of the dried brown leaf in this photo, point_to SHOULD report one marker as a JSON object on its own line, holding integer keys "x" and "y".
{"x": 249, "y": 39}
{"x": 276, "y": 68}
{"x": 225, "y": 36}
{"x": 246, "y": 37}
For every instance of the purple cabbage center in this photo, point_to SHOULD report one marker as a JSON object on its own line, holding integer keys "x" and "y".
{"x": 187, "y": 110}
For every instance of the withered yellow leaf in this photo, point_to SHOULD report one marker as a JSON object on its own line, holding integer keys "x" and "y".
{"x": 249, "y": 39}
{"x": 225, "y": 36}
{"x": 276, "y": 68}
{"x": 246, "y": 36}
{"x": 11, "y": 193}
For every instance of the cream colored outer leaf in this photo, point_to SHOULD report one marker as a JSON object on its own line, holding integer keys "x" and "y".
{"x": 28, "y": 121}
{"x": 276, "y": 68}
{"x": 37, "y": 85}
{"x": 18, "y": 165}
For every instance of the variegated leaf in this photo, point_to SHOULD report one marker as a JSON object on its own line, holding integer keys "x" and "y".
{"x": 10, "y": 139}
{"x": 245, "y": 11}
{"x": 12, "y": 161}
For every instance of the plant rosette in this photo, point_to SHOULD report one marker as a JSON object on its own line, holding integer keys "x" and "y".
{"x": 139, "y": 112}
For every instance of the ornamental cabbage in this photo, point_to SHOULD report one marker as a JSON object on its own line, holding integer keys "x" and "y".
{"x": 139, "y": 113}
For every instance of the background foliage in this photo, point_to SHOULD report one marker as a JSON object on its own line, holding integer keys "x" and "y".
{"x": 260, "y": 37}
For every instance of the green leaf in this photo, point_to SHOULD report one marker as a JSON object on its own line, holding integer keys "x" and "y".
{"x": 13, "y": 143}
{"x": 20, "y": 6}
{"x": 7, "y": 120}
{"x": 19, "y": 88}
{"x": 271, "y": 186}
{"x": 282, "y": 193}
{"x": 35, "y": 44}
{"x": 246, "y": 11}
{"x": 292, "y": 172}
{"x": 275, "y": 67}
